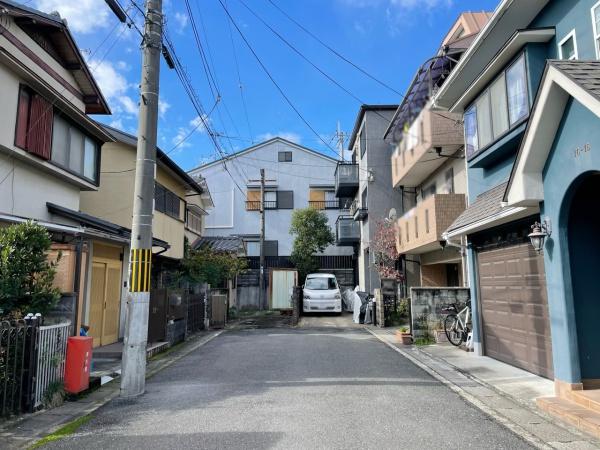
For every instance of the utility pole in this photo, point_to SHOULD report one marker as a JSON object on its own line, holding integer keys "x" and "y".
{"x": 340, "y": 136}
{"x": 261, "y": 279}
{"x": 133, "y": 376}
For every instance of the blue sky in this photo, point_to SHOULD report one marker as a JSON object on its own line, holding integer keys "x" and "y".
{"x": 388, "y": 38}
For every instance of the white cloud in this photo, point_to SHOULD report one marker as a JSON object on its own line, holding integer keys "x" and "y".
{"x": 182, "y": 21}
{"x": 112, "y": 83}
{"x": 83, "y": 16}
{"x": 196, "y": 125}
{"x": 289, "y": 135}
{"x": 163, "y": 107}
{"x": 129, "y": 106}
{"x": 117, "y": 123}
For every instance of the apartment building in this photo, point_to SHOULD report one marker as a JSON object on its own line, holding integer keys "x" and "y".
{"x": 428, "y": 166}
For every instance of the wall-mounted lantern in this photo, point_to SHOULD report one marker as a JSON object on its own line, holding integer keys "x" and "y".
{"x": 539, "y": 233}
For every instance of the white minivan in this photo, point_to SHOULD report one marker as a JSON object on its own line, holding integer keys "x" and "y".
{"x": 321, "y": 293}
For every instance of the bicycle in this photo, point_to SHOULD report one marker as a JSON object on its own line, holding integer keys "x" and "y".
{"x": 456, "y": 323}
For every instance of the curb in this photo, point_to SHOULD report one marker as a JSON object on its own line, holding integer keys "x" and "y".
{"x": 521, "y": 432}
{"x": 110, "y": 389}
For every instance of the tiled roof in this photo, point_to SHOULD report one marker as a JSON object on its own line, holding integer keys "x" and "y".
{"x": 229, "y": 244}
{"x": 584, "y": 73}
{"x": 487, "y": 204}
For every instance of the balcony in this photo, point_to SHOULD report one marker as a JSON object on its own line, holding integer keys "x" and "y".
{"x": 415, "y": 157}
{"x": 347, "y": 231}
{"x": 420, "y": 229}
{"x": 327, "y": 204}
{"x": 358, "y": 212}
{"x": 254, "y": 205}
{"x": 346, "y": 179}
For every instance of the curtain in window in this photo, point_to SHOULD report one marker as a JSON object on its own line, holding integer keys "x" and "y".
{"x": 516, "y": 83}
{"x": 471, "y": 131}
{"x": 484, "y": 120}
{"x": 499, "y": 106}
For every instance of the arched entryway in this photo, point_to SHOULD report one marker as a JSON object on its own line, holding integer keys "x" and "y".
{"x": 583, "y": 222}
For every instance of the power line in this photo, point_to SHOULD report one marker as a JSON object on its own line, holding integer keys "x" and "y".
{"x": 283, "y": 94}
{"x": 239, "y": 78}
{"x": 335, "y": 52}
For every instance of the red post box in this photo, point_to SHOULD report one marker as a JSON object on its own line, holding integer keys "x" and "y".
{"x": 77, "y": 365}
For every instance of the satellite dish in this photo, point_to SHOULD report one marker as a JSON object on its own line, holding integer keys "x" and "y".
{"x": 392, "y": 215}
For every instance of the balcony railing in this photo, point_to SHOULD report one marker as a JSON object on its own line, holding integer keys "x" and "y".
{"x": 324, "y": 204}
{"x": 415, "y": 157}
{"x": 254, "y": 205}
{"x": 421, "y": 228}
{"x": 346, "y": 179}
{"x": 358, "y": 211}
{"x": 347, "y": 231}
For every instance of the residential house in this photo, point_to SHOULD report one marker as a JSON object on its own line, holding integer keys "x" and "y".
{"x": 528, "y": 91}
{"x": 50, "y": 149}
{"x": 298, "y": 177}
{"x": 428, "y": 166}
{"x": 373, "y": 200}
{"x": 173, "y": 217}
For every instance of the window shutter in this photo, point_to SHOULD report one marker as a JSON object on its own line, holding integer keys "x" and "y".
{"x": 22, "y": 118}
{"x": 285, "y": 199}
{"x": 39, "y": 136}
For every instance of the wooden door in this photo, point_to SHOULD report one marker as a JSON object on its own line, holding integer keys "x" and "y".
{"x": 112, "y": 303}
{"x": 105, "y": 301}
{"x": 97, "y": 296}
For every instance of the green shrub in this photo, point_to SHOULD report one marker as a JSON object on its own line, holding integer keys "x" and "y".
{"x": 26, "y": 274}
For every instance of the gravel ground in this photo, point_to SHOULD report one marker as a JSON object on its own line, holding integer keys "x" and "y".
{"x": 325, "y": 384}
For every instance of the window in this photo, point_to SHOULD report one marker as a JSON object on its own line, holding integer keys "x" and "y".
{"x": 362, "y": 139}
{"x": 596, "y": 27}
{"x": 166, "y": 202}
{"x": 449, "y": 181}
{"x": 471, "y": 139}
{"x": 416, "y": 227}
{"x": 253, "y": 248}
{"x": 270, "y": 200}
{"x": 499, "y": 107}
{"x": 427, "y": 221}
{"x": 285, "y": 157}
{"x": 34, "y": 124}
{"x": 285, "y": 199}
{"x": 363, "y": 198}
{"x": 516, "y": 88}
{"x": 484, "y": 119}
{"x": 502, "y": 106}
{"x": 253, "y": 200}
{"x": 194, "y": 222}
{"x": 567, "y": 48}
{"x": 428, "y": 191}
{"x": 271, "y": 248}
{"x": 73, "y": 150}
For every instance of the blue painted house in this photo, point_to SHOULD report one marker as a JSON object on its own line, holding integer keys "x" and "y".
{"x": 529, "y": 92}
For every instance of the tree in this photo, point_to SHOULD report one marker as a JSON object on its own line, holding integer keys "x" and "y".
{"x": 207, "y": 266}
{"x": 312, "y": 235}
{"x": 385, "y": 252}
{"x": 26, "y": 274}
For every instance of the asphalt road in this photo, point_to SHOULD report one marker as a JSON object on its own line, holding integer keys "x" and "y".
{"x": 307, "y": 388}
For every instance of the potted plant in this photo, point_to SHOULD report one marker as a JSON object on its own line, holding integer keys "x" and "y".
{"x": 404, "y": 336}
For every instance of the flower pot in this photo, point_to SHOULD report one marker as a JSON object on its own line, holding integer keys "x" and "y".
{"x": 404, "y": 338}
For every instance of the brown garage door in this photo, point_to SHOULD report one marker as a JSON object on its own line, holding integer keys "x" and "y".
{"x": 514, "y": 308}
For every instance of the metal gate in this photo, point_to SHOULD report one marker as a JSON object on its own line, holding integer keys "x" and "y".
{"x": 52, "y": 351}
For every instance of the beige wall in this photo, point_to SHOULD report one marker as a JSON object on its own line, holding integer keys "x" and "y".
{"x": 26, "y": 190}
{"x": 114, "y": 199}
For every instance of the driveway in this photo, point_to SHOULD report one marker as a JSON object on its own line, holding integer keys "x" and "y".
{"x": 312, "y": 387}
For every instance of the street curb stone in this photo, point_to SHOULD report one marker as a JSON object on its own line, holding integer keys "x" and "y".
{"x": 425, "y": 361}
{"x": 26, "y": 430}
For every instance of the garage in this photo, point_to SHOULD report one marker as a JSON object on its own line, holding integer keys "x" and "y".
{"x": 514, "y": 308}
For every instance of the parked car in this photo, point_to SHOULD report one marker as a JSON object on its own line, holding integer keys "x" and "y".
{"x": 321, "y": 293}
